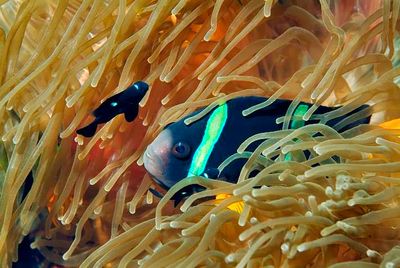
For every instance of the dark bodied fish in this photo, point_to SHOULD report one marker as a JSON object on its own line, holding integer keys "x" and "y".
{"x": 125, "y": 102}
{"x": 181, "y": 150}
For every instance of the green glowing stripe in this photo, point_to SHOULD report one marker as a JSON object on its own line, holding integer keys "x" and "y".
{"x": 215, "y": 125}
{"x": 297, "y": 122}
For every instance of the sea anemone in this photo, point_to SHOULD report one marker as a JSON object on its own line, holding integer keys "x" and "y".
{"x": 85, "y": 201}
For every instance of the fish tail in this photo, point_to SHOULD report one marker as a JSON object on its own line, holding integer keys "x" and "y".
{"x": 88, "y": 131}
{"x": 361, "y": 115}
{"x": 358, "y": 116}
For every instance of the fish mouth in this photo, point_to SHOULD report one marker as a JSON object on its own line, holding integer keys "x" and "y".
{"x": 163, "y": 185}
{"x": 154, "y": 166}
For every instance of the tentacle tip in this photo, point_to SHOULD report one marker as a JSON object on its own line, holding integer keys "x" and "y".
{"x": 301, "y": 248}
{"x": 351, "y": 202}
{"x": 66, "y": 256}
{"x": 230, "y": 258}
{"x": 16, "y": 140}
{"x": 184, "y": 232}
{"x": 242, "y": 237}
{"x": 246, "y": 112}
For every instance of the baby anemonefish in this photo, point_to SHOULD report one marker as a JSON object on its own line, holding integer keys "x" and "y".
{"x": 126, "y": 102}
{"x": 181, "y": 150}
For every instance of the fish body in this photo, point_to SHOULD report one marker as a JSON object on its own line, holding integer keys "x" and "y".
{"x": 125, "y": 102}
{"x": 181, "y": 150}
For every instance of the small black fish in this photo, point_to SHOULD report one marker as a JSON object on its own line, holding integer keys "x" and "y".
{"x": 182, "y": 150}
{"x": 126, "y": 102}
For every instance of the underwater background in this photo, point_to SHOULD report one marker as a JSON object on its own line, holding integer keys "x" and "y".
{"x": 321, "y": 196}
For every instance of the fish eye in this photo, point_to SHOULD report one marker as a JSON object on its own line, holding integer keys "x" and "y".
{"x": 181, "y": 150}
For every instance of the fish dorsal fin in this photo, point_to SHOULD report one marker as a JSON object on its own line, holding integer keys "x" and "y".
{"x": 241, "y": 104}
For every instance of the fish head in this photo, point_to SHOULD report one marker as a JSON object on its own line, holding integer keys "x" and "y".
{"x": 134, "y": 94}
{"x": 168, "y": 158}
{"x": 141, "y": 88}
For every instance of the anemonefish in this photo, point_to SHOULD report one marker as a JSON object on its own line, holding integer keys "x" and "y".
{"x": 181, "y": 150}
{"x": 126, "y": 102}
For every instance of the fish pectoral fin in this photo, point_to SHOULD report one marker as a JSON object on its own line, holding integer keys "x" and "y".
{"x": 178, "y": 197}
{"x": 89, "y": 130}
{"x": 156, "y": 193}
{"x": 186, "y": 192}
{"x": 176, "y": 202}
{"x": 131, "y": 114}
